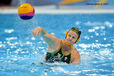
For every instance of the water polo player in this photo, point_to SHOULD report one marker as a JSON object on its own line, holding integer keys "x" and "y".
{"x": 61, "y": 50}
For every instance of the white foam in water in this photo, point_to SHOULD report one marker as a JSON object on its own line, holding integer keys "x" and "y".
{"x": 52, "y": 33}
{"x": 97, "y": 34}
{"x": 28, "y": 42}
{"x": 44, "y": 42}
{"x": 91, "y": 30}
{"x": 108, "y": 24}
{"x": 33, "y": 38}
{"x": 0, "y": 45}
{"x": 92, "y": 23}
{"x": 102, "y": 27}
{"x": 91, "y": 36}
{"x": 104, "y": 38}
{"x": 64, "y": 71}
{"x": 85, "y": 57}
{"x": 11, "y": 38}
{"x": 96, "y": 40}
{"x": 77, "y": 22}
{"x": 104, "y": 51}
{"x": 96, "y": 28}
{"x": 3, "y": 45}
{"x": 86, "y": 70}
{"x": 9, "y": 30}
{"x": 86, "y": 37}
{"x": 94, "y": 45}
{"x": 84, "y": 45}
{"x": 41, "y": 47}
{"x": 17, "y": 50}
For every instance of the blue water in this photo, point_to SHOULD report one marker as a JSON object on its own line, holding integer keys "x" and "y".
{"x": 19, "y": 49}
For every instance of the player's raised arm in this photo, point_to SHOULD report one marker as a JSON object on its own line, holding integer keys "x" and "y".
{"x": 50, "y": 39}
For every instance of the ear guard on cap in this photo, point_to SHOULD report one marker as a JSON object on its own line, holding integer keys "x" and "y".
{"x": 66, "y": 33}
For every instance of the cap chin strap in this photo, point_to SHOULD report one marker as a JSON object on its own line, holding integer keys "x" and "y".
{"x": 77, "y": 40}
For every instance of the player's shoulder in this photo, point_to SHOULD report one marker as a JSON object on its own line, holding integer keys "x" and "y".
{"x": 75, "y": 51}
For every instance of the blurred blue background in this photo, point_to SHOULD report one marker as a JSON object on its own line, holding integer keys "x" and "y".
{"x": 56, "y": 2}
{"x": 51, "y": 2}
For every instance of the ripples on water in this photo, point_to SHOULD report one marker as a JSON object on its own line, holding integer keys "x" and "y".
{"x": 96, "y": 49}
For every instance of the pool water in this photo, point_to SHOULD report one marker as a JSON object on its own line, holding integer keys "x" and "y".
{"x": 19, "y": 49}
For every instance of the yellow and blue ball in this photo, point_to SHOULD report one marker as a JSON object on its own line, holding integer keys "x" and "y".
{"x": 26, "y": 11}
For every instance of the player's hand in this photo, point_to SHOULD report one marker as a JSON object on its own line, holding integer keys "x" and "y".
{"x": 36, "y": 31}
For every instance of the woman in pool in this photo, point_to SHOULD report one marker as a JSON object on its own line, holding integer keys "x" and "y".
{"x": 61, "y": 50}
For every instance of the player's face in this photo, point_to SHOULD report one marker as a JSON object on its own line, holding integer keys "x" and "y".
{"x": 71, "y": 37}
